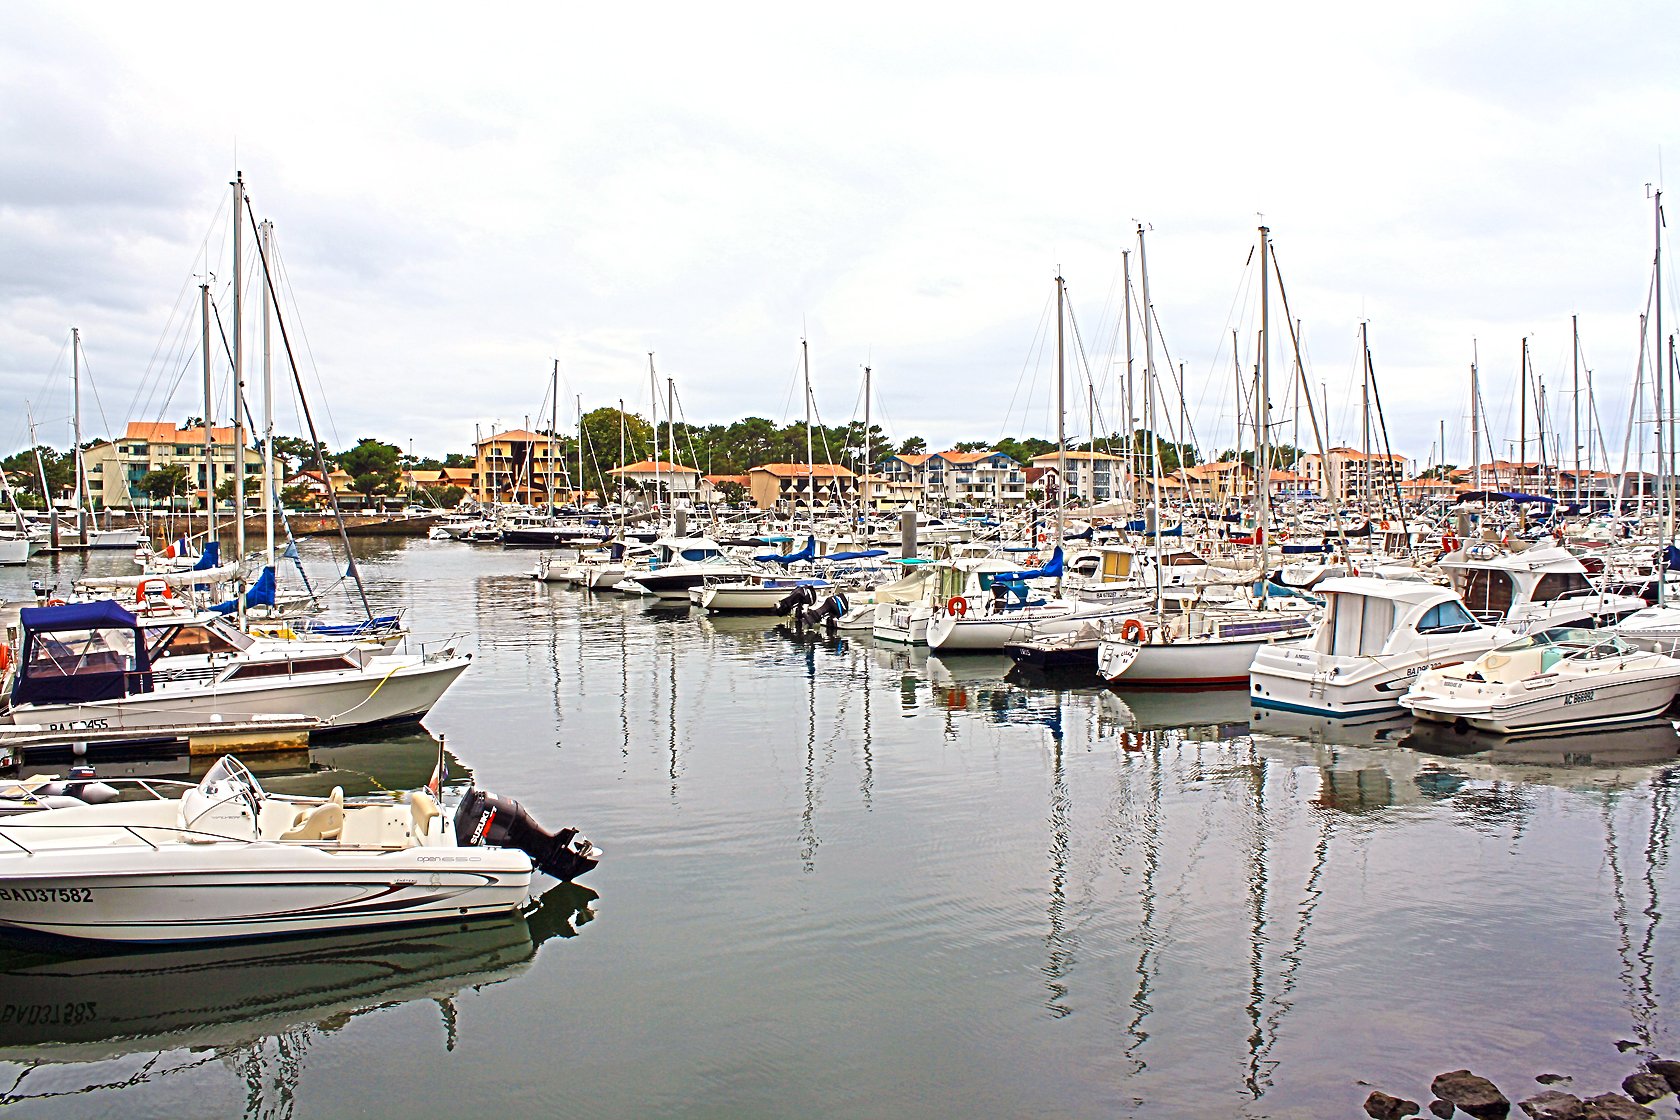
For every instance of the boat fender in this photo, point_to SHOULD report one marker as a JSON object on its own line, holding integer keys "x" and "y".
{"x": 957, "y": 605}
{"x": 1132, "y": 631}
{"x": 5, "y": 658}
{"x": 55, "y": 602}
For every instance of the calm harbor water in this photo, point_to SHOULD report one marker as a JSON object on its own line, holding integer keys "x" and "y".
{"x": 849, "y": 880}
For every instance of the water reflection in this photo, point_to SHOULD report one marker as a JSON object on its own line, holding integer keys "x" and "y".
{"x": 255, "y": 1007}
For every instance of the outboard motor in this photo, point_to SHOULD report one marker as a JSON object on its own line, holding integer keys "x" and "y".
{"x": 800, "y": 597}
{"x": 827, "y": 612}
{"x": 501, "y": 822}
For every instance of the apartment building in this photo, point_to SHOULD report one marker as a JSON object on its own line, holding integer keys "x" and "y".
{"x": 114, "y": 469}
{"x": 801, "y": 485}
{"x": 1345, "y": 475}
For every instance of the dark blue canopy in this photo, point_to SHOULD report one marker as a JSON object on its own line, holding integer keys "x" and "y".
{"x": 805, "y": 553}
{"x": 864, "y": 555}
{"x": 259, "y": 594}
{"x": 210, "y": 557}
{"x": 77, "y": 616}
{"x": 1050, "y": 570}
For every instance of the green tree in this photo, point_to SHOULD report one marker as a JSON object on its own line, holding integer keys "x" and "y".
{"x": 165, "y": 483}
{"x": 25, "y": 477}
{"x": 372, "y": 466}
{"x": 299, "y": 453}
{"x": 297, "y": 497}
{"x": 915, "y": 445}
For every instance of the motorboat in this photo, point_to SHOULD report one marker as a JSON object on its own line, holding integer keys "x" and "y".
{"x": 1200, "y": 647}
{"x": 679, "y": 563}
{"x": 1535, "y": 589}
{"x": 226, "y": 859}
{"x": 96, "y": 666}
{"x": 1376, "y": 636}
{"x": 1558, "y": 678}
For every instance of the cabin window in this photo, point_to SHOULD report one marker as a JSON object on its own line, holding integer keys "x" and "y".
{"x": 70, "y": 653}
{"x": 282, "y": 668}
{"x": 1559, "y": 585}
{"x": 693, "y": 554}
{"x": 1446, "y": 618}
{"x": 1359, "y": 625}
{"x": 1485, "y": 592}
{"x": 194, "y": 640}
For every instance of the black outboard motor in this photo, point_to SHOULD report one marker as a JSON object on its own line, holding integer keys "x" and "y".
{"x": 501, "y": 822}
{"x": 800, "y": 597}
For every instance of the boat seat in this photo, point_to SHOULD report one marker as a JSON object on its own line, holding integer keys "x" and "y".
{"x": 1509, "y": 668}
{"x": 424, "y": 810}
{"x": 324, "y": 822}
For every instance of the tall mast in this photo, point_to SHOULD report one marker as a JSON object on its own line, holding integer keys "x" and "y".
{"x": 1575, "y": 397}
{"x": 810, "y": 449}
{"x": 621, "y": 459}
{"x": 1522, "y": 413}
{"x": 863, "y": 505}
{"x": 1131, "y": 416}
{"x": 264, "y": 247}
{"x": 553, "y": 429}
{"x": 238, "y": 376}
{"x": 1263, "y": 419}
{"x": 1475, "y": 425}
{"x": 671, "y": 432}
{"x": 580, "y": 487}
{"x": 81, "y": 471}
{"x": 209, "y": 412}
{"x": 1663, "y": 481}
{"x": 1149, "y": 410}
{"x": 653, "y": 399}
{"x": 1365, "y": 414}
{"x": 1061, "y": 421}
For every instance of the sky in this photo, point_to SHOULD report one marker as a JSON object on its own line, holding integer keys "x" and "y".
{"x": 463, "y": 195}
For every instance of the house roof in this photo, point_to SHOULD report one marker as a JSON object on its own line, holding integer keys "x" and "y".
{"x": 800, "y": 470}
{"x": 650, "y": 466}
{"x": 512, "y": 435}
{"x": 914, "y": 460}
{"x": 1091, "y": 456}
{"x": 967, "y": 456}
{"x": 720, "y": 479}
{"x": 169, "y": 433}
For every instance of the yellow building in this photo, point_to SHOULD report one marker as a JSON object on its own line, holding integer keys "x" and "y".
{"x": 114, "y": 470}
{"x": 801, "y": 484}
{"x": 515, "y": 466}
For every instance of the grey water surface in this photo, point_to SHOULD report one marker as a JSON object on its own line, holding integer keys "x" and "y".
{"x": 851, "y": 880}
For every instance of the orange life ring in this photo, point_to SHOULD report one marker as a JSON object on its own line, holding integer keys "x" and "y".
{"x": 1132, "y": 630}
{"x": 140, "y": 590}
{"x": 957, "y": 605}
{"x": 1033, "y": 559}
{"x": 55, "y": 602}
{"x": 5, "y": 658}
{"x": 1043, "y": 538}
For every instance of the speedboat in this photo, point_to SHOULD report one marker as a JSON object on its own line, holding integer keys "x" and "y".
{"x": 1558, "y": 678}
{"x": 96, "y": 666}
{"x": 1376, "y": 637}
{"x": 227, "y": 859}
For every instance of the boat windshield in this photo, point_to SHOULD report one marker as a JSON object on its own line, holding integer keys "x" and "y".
{"x": 1574, "y": 642}
{"x": 229, "y": 771}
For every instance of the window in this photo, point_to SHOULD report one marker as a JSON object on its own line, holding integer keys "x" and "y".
{"x": 1560, "y": 585}
{"x": 1446, "y": 618}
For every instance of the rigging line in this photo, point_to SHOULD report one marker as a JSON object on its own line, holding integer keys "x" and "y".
{"x": 1035, "y": 349}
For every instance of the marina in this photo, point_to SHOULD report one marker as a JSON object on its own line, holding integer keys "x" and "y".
{"x": 837, "y": 865}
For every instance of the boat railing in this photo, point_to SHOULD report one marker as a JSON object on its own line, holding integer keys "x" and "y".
{"x": 441, "y": 650}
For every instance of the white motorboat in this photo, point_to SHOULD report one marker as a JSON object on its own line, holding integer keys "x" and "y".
{"x": 227, "y": 859}
{"x": 1532, "y": 590}
{"x": 679, "y": 563}
{"x": 1202, "y": 647}
{"x": 97, "y": 666}
{"x": 758, "y": 596}
{"x": 16, "y": 548}
{"x": 1376, "y": 637}
{"x": 1558, "y": 678}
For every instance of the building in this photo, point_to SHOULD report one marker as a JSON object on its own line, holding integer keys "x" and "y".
{"x": 712, "y": 486}
{"x": 988, "y": 479}
{"x": 1342, "y": 474}
{"x": 442, "y": 479}
{"x": 801, "y": 485}
{"x": 115, "y": 470}
{"x": 660, "y": 479}
{"x": 1093, "y": 476}
{"x": 517, "y": 466}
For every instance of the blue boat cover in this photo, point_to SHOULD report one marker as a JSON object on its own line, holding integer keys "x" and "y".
{"x": 210, "y": 557}
{"x": 77, "y": 616}
{"x": 1050, "y": 570}
{"x": 866, "y": 554}
{"x": 805, "y": 553}
{"x": 259, "y": 594}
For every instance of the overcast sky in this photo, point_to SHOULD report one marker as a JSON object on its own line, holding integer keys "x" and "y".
{"x": 463, "y": 194}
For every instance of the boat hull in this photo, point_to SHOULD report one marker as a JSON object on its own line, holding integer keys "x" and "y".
{"x": 1190, "y": 664}
{"x": 1599, "y": 700}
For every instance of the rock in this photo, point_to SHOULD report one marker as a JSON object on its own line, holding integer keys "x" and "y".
{"x": 1626, "y": 1044}
{"x": 1614, "y": 1106}
{"x": 1669, "y": 1071}
{"x": 1443, "y": 1109}
{"x": 1476, "y": 1095}
{"x": 1552, "y": 1105}
{"x": 1381, "y": 1106}
{"x": 1646, "y": 1087}
{"x": 1553, "y": 1078}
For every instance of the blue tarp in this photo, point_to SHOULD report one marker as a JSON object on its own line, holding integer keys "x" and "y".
{"x": 259, "y": 594}
{"x": 77, "y": 616}
{"x": 866, "y": 554}
{"x": 1050, "y": 570}
{"x": 805, "y": 553}
{"x": 1307, "y": 549}
{"x": 210, "y": 557}
{"x": 1671, "y": 557}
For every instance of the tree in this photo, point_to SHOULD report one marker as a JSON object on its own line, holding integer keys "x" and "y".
{"x": 973, "y": 445}
{"x": 163, "y": 484}
{"x": 732, "y": 491}
{"x": 1023, "y": 451}
{"x": 372, "y": 466}
{"x": 296, "y": 497}
{"x": 299, "y": 453}
{"x": 25, "y": 476}
{"x": 1441, "y": 471}
{"x": 915, "y": 445}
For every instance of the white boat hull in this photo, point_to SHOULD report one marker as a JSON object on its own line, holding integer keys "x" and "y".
{"x": 1209, "y": 663}
{"x": 977, "y": 631}
{"x": 754, "y": 598}
{"x": 1549, "y": 704}
{"x": 16, "y": 550}
{"x": 1297, "y": 679}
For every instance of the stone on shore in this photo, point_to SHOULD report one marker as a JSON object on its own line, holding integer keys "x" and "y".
{"x": 1614, "y": 1106}
{"x": 1553, "y": 1105}
{"x": 1443, "y": 1109}
{"x": 1646, "y": 1087}
{"x": 1381, "y": 1106}
{"x": 1475, "y": 1095}
{"x": 1669, "y": 1071}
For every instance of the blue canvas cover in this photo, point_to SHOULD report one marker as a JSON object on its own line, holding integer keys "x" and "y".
{"x": 259, "y": 594}
{"x": 805, "y": 553}
{"x": 80, "y": 653}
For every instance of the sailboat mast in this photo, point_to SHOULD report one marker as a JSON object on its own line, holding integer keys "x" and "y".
{"x": 1575, "y": 398}
{"x": 238, "y": 376}
{"x": 1522, "y": 413}
{"x": 553, "y": 429}
{"x": 810, "y": 448}
{"x": 1153, "y": 463}
{"x": 1061, "y": 419}
{"x": 1263, "y": 419}
{"x": 1131, "y": 415}
{"x": 1664, "y": 482}
{"x": 265, "y": 245}
{"x": 580, "y": 487}
{"x": 621, "y": 459}
{"x": 81, "y": 470}
{"x": 209, "y": 412}
{"x": 671, "y": 433}
{"x": 653, "y": 404}
{"x": 1365, "y": 415}
{"x": 863, "y": 504}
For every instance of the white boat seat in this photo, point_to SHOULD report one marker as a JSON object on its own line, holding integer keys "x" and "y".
{"x": 425, "y": 811}
{"x": 324, "y": 822}
{"x": 1509, "y": 668}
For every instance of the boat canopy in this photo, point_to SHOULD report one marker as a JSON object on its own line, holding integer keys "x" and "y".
{"x": 806, "y": 553}
{"x": 80, "y": 653}
{"x": 260, "y": 594}
{"x": 866, "y": 554}
{"x": 1049, "y": 571}
{"x": 1503, "y": 496}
